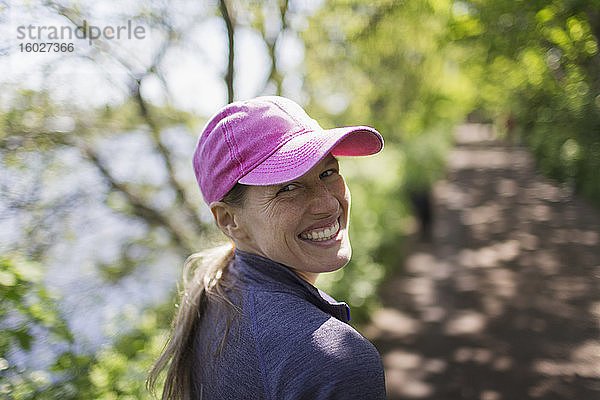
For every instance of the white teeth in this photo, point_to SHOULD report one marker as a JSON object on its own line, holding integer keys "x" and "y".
{"x": 321, "y": 234}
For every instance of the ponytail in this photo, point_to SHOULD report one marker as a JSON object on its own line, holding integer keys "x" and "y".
{"x": 203, "y": 281}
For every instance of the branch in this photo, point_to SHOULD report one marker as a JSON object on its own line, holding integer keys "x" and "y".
{"x": 145, "y": 112}
{"x": 274, "y": 75}
{"x": 375, "y": 19}
{"x": 230, "y": 36}
{"x": 166, "y": 156}
{"x": 149, "y": 214}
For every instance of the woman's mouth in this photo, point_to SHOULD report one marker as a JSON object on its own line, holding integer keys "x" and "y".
{"x": 322, "y": 234}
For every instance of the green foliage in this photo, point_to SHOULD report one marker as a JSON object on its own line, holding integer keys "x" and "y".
{"x": 25, "y": 126}
{"x": 27, "y": 309}
{"x": 537, "y": 64}
{"x": 119, "y": 371}
{"x": 388, "y": 65}
{"x": 114, "y": 372}
{"x": 412, "y": 69}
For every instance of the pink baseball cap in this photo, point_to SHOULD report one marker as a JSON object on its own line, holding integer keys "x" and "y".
{"x": 269, "y": 140}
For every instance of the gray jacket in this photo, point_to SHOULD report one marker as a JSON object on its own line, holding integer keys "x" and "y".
{"x": 290, "y": 341}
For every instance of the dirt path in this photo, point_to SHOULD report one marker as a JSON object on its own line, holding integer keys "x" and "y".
{"x": 504, "y": 303}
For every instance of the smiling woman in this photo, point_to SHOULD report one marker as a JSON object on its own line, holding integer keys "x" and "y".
{"x": 251, "y": 323}
{"x": 301, "y": 224}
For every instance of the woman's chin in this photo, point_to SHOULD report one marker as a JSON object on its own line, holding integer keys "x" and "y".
{"x": 342, "y": 257}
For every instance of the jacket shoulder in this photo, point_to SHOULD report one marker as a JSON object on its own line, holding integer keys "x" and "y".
{"x": 307, "y": 353}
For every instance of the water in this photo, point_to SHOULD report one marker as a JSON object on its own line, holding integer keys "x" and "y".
{"x": 71, "y": 216}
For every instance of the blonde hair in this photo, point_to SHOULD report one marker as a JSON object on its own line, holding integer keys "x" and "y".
{"x": 203, "y": 281}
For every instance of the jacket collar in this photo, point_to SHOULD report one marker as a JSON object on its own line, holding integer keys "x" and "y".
{"x": 268, "y": 275}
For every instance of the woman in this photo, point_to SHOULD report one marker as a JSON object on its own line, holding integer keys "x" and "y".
{"x": 251, "y": 324}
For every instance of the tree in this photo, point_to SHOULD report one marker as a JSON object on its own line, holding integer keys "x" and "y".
{"x": 537, "y": 64}
{"x": 109, "y": 185}
{"x": 387, "y": 64}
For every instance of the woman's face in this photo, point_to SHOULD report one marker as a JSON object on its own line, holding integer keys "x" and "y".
{"x": 302, "y": 224}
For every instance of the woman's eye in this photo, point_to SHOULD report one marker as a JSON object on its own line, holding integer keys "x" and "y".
{"x": 328, "y": 173}
{"x": 286, "y": 188}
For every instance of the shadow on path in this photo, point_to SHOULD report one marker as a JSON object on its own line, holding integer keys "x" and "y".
{"x": 504, "y": 303}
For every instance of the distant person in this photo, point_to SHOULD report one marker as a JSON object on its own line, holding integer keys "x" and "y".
{"x": 423, "y": 210}
{"x": 251, "y": 324}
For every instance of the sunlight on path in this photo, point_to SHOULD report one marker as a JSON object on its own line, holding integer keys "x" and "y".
{"x": 505, "y": 301}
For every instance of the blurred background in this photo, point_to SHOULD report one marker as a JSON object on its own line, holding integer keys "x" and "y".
{"x": 476, "y": 265}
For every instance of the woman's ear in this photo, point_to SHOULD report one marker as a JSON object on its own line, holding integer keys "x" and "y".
{"x": 227, "y": 219}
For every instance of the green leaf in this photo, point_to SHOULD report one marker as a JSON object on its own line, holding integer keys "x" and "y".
{"x": 7, "y": 278}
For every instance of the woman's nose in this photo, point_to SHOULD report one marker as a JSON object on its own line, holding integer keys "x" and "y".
{"x": 323, "y": 202}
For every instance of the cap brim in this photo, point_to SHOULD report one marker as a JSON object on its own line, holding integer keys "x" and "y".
{"x": 301, "y": 153}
